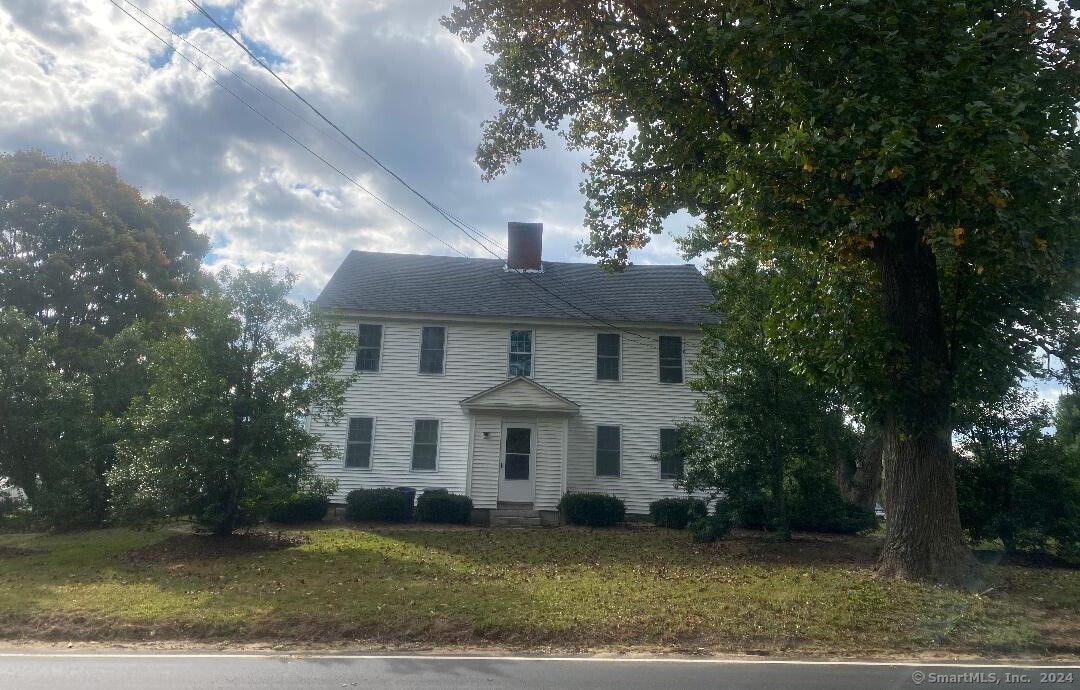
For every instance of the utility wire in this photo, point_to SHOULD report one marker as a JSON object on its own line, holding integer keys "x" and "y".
{"x": 306, "y": 148}
{"x": 225, "y": 67}
{"x": 296, "y": 141}
{"x": 442, "y": 212}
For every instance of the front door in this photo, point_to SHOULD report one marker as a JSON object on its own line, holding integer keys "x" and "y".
{"x": 517, "y": 466}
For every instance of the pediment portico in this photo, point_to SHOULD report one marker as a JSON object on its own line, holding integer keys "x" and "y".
{"x": 519, "y": 395}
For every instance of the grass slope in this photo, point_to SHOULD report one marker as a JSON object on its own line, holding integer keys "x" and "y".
{"x": 567, "y": 588}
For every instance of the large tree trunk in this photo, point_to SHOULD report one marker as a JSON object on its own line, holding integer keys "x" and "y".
{"x": 923, "y": 539}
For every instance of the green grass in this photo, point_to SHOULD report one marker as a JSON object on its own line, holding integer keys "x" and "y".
{"x": 567, "y": 588}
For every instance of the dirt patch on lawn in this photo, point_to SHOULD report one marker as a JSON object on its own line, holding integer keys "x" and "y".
{"x": 187, "y": 547}
{"x": 807, "y": 548}
{"x": 1025, "y": 559}
{"x": 13, "y": 552}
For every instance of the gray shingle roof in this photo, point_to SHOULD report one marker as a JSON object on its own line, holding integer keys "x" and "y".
{"x": 377, "y": 281}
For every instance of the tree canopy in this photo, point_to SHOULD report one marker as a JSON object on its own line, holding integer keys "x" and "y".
{"x": 82, "y": 256}
{"x": 85, "y": 254}
{"x": 919, "y": 155}
{"x": 220, "y": 433}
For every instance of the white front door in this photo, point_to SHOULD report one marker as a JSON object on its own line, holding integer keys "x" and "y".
{"x": 517, "y": 466}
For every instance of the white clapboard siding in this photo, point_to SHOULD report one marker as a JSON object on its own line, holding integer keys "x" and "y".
{"x": 476, "y": 359}
{"x": 484, "y": 484}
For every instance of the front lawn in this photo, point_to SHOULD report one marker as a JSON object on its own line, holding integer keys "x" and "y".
{"x": 568, "y": 588}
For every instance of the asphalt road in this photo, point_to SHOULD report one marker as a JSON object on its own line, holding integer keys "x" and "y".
{"x": 30, "y": 670}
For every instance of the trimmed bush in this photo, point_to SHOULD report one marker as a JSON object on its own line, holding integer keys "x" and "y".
{"x": 673, "y": 512}
{"x": 300, "y": 508}
{"x": 707, "y": 528}
{"x": 377, "y": 505}
{"x": 443, "y": 507}
{"x": 820, "y": 508}
{"x": 591, "y": 509}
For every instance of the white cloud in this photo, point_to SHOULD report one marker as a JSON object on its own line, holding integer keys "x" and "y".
{"x": 82, "y": 79}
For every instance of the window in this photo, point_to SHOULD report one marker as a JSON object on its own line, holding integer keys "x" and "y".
{"x": 671, "y": 457}
{"x": 368, "y": 347}
{"x": 432, "y": 349}
{"x": 521, "y": 353}
{"x": 607, "y": 356}
{"x": 608, "y": 442}
{"x": 671, "y": 359}
{"x": 358, "y": 444}
{"x": 518, "y": 453}
{"x": 425, "y": 445}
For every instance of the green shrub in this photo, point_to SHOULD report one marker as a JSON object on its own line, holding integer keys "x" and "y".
{"x": 300, "y": 508}
{"x": 592, "y": 509}
{"x": 710, "y": 528}
{"x": 750, "y": 511}
{"x": 377, "y": 505}
{"x": 673, "y": 512}
{"x": 443, "y": 507}
{"x": 825, "y": 510}
{"x": 309, "y": 503}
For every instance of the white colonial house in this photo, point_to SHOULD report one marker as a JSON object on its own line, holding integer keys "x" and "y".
{"x": 514, "y": 382}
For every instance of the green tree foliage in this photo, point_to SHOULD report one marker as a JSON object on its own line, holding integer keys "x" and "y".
{"x": 1018, "y": 482}
{"x": 923, "y": 153}
{"x": 220, "y": 435}
{"x": 763, "y": 435}
{"x": 83, "y": 255}
{"x": 44, "y": 413}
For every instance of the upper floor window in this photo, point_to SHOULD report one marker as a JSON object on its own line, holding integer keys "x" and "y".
{"x": 671, "y": 359}
{"x": 432, "y": 349}
{"x": 521, "y": 353}
{"x": 358, "y": 442}
{"x": 672, "y": 462}
{"x": 608, "y": 451}
{"x": 425, "y": 449}
{"x": 608, "y": 347}
{"x": 368, "y": 347}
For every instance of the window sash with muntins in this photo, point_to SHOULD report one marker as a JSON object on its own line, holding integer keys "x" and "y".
{"x": 672, "y": 460}
{"x": 432, "y": 349}
{"x": 368, "y": 346}
{"x": 358, "y": 442}
{"x": 608, "y": 352}
{"x": 608, "y": 451}
{"x": 521, "y": 353}
{"x": 671, "y": 358}
{"x": 425, "y": 452}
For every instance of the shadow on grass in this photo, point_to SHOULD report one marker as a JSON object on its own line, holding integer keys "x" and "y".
{"x": 332, "y": 587}
{"x": 589, "y": 546}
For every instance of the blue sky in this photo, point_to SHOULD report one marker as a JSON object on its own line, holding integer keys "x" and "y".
{"x": 89, "y": 82}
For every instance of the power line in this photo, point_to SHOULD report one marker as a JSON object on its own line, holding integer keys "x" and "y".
{"x": 313, "y": 153}
{"x": 460, "y": 225}
{"x": 225, "y": 67}
{"x": 296, "y": 141}
{"x": 442, "y": 212}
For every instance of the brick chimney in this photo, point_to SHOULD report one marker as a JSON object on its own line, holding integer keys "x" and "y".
{"x": 525, "y": 242}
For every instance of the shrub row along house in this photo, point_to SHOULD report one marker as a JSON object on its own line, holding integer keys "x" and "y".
{"x": 514, "y": 382}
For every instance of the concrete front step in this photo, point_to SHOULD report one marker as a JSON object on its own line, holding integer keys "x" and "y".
{"x": 515, "y": 512}
{"x": 515, "y": 520}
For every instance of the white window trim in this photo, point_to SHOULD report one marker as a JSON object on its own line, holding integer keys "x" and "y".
{"x": 382, "y": 345}
{"x": 371, "y": 454}
{"x": 420, "y": 350}
{"x": 682, "y": 359}
{"x": 596, "y": 358}
{"x": 438, "y": 445}
{"x": 532, "y": 350}
{"x": 596, "y": 449}
{"x": 659, "y": 453}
